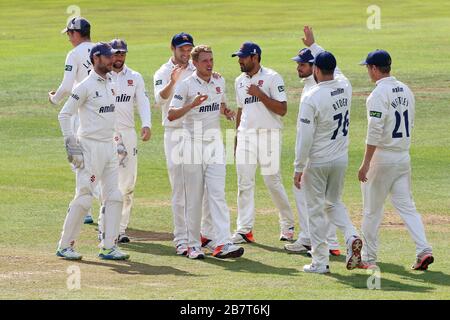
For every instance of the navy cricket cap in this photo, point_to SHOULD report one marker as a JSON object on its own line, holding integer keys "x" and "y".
{"x": 119, "y": 45}
{"x": 77, "y": 24}
{"x": 102, "y": 49}
{"x": 247, "y": 49}
{"x": 182, "y": 39}
{"x": 378, "y": 58}
{"x": 304, "y": 56}
{"x": 325, "y": 61}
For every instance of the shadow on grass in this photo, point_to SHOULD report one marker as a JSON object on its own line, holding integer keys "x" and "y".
{"x": 265, "y": 247}
{"x": 236, "y": 265}
{"x": 359, "y": 281}
{"x": 429, "y": 276}
{"x": 251, "y": 266}
{"x": 137, "y": 268}
{"x": 144, "y": 235}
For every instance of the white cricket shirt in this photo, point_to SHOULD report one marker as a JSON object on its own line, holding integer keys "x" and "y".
{"x": 390, "y": 114}
{"x": 160, "y": 80}
{"x": 130, "y": 91}
{"x": 94, "y": 100}
{"x": 205, "y": 116}
{"x": 255, "y": 114}
{"x": 322, "y": 133}
{"x": 76, "y": 69}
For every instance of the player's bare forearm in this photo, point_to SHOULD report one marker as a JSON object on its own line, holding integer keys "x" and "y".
{"x": 238, "y": 117}
{"x": 278, "y": 107}
{"x": 177, "y": 113}
{"x": 370, "y": 150}
{"x": 167, "y": 91}
{"x": 365, "y": 166}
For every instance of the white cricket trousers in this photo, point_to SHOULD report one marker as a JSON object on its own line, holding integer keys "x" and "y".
{"x": 302, "y": 210}
{"x": 128, "y": 175}
{"x": 100, "y": 166}
{"x": 261, "y": 147}
{"x": 173, "y": 146}
{"x": 323, "y": 185}
{"x": 382, "y": 180}
{"x": 204, "y": 169}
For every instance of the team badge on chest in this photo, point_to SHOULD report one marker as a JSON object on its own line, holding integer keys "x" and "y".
{"x": 260, "y": 83}
{"x": 218, "y": 90}
{"x": 130, "y": 83}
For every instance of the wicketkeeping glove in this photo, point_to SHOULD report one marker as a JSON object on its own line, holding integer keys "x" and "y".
{"x": 121, "y": 150}
{"x": 74, "y": 153}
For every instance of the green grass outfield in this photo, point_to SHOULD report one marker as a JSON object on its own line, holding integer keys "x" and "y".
{"x": 36, "y": 184}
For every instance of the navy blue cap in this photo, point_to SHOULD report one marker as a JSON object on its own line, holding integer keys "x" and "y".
{"x": 378, "y": 57}
{"x": 182, "y": 39}
{"x": 77, "y": 24}
{"x": 325, "y": 61}
{"x": 304, "y": 56}
{"x": 102, "y": 49}
{"x": 247, "y": 49}
{"x": 119, "y": 45}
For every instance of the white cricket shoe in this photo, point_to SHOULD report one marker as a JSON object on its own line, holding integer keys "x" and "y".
{"x": 207, "y": 243}
{"x": 195, "y": 253}
{"x": 228, "y": 250}
{"x": 287, "y": 235}
{"x": 68, "y": 254}
{"x": 113, "y": 254}
{"x": 297, "y": 247}
{"x": 181, "y": 249}
{"x": 312, "y": 268}
{"x": 354, "y": 246}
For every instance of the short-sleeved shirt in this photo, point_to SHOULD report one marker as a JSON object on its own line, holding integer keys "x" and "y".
{"x": 160, "y": 80}
{"x": 205, "y": 116}
{"x": 255, "y": 115}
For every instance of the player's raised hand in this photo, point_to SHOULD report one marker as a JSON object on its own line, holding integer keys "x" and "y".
{"x": 199, "y": 99}
{"x": 146, "y": 133}
{"x": 254, "y": 90}
{"x": 176, "y": 72}
{"x": 308, "y": 40}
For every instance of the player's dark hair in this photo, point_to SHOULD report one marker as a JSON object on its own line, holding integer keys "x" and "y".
{"x": 83, "y": 33}
{"x": 384, "y": 69}
{"x": 327, "y": 72}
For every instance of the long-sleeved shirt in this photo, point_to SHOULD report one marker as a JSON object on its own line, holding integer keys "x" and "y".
{"x": 94, "y": 100}
{"x": 77, "y": 67}
{"x": 322, "y": 133}
{"x": 160, "y": 81}
{"x": 130, "y": 91}
{"x": 390, "y": 114}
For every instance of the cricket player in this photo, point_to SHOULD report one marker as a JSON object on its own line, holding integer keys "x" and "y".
{"x": 130, "y": 91}
{"x": 305, "y": 60}
{"x": 321, "y": 161}
{"x": 386, "y": 168}
{"x": 178, "y": 68}
{"x": 262, "y": 101}
{"x": 93, "y": 152}
{"x": 77, "y": 67}
{"x": 200, "y": 100}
